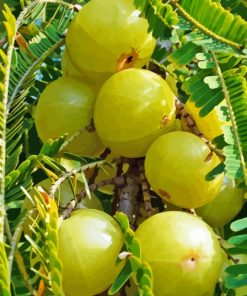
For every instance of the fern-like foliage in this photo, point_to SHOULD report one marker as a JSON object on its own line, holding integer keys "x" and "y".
{"x": 235, "y": 89}
{"x": 217, "y": 22}
{"x": 18, "y": 71}
{"x": 22, "y": 77}
{"x": 44, "y": 254}
{"x": 159, "y": 15}
{"x": 28, "y": 58}
{"x": 10, "y": 24}
{"x": 209, "y": 88}
{"x": 135, "y": 266}
{"x": 237, "y": 274}
{"x": 197, "y": 39}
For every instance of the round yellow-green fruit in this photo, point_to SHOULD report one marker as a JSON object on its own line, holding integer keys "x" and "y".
{"x": 211, "y": 125}
{"x": 132, "y": 109}
{"x": 183, "y": 252}
{"x": 66, "y": 106}
{"x": 176, "y": 167}
{"x": 107, "y": 36}
{"x": 94, "y": 79}
{"x": 89, "y": 243}
{"x": 225, "y": 206}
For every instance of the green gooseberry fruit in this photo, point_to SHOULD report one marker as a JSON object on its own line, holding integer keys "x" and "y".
{"x": 176, "y": 167}
{"x": 183, "y": 252}
{"x": 66, "y": 106}
{"x": 225, "y": 206}
{"x": 132, "y": 109}
{"x": 89, "y": 243}
{"x": 108, "y": 36}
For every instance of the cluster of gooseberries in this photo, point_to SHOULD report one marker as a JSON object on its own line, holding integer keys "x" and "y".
{"x": 106, "y": 98}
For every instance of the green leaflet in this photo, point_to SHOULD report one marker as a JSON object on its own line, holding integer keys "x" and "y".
{"x": 17, "y": 72}
{"x": 10, "y": 26}
{"x": 44, "y": 244}
{"x": 134, "y": 265}
{"x": 159, "y": 15}
{"x": 237, "y": 273}
{"x": 217, "y": 22}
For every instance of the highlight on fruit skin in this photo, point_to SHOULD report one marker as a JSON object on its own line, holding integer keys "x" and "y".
{"x": 176, "y": 167}
{"x": 132, "y": 109}
{"x": 117, "y": 40}
{"x": 225, "y": 206}
{"x": 66, "y": 106}
{"x": 184, "y": 254}
{"x": 89, "y": 243}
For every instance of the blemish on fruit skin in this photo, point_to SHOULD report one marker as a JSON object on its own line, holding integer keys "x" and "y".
{"x": 164, "y": 194}
{"x": 190, "y": 261}
{"x": 165, "y": 120}
{"x": 127, "y": 60}
{"x": 90, "y": 128}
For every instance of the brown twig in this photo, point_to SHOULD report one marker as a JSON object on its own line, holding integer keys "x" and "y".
{"x": 118, "y": 181}
{"x": 145, "y": 188}
{"x": 128, "y": 193}
{"x": 116, "y": 200}
{"x": 96, "y": 169}
{"x": 71, "y": 173}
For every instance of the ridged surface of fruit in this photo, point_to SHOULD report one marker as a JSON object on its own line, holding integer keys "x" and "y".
{"x": 132, "y": 109}
{"x": 225, "y": 206}
{"x": 88, "y": 245}
{"x": 184, "y": 254}
{"x": 100, "y": 43}
{"x": 66, "y": 106}
{"x": 176, "y": 166}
